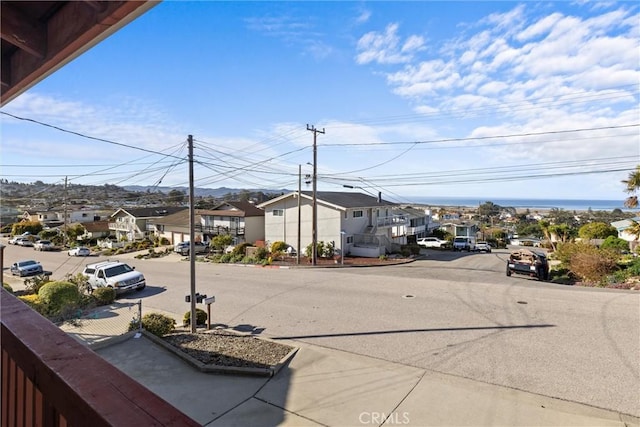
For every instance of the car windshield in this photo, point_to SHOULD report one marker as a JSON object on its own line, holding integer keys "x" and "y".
{"x": 26, "y": 263}
{"x": 117, "y": 270}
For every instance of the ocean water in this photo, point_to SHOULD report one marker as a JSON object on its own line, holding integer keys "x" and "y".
{"x": 532, "y": 204}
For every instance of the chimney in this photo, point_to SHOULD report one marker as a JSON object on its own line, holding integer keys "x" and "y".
{"x": 379, "y": 196}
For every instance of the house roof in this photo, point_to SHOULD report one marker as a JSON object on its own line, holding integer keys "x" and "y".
{"x": 339, "y": 199}
{"x": 414, "y": 212}
{"x": 96, "y": 226}
{"x": 624, "y": 224}
{"x": 242, "y": 209}
{"x": 153, "y": 212}
{"x": 180, "y": 218}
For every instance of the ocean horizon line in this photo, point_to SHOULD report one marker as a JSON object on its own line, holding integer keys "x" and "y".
{"x": 524, "y": 203}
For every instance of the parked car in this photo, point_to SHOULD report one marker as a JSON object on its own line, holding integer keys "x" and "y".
{"x": 432, "y": 242}
{"x": 79, "y": 251}
{"x": 44, "y": 245}
{"x": 24, "y": 241}
{"x": 183, "y": 248}
{"x": 483, "y": 247}
{"x": 26, "y": 268}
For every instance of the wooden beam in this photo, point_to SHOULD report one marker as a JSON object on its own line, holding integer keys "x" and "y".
{"x": 23, "y": 31}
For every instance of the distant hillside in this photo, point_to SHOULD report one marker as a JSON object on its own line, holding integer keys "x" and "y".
{"x": 204, "y": 192}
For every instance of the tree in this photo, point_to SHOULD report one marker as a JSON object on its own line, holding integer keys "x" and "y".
{"x": 563, "y": 232}
{"x": 176, "y": 197}
{"x": 596, "y": 230}
{"x": 545, "y": 226}
{"x": 488, "y": 210}
{"x": 634, "y": 229}
{"x": 632, "y": 187}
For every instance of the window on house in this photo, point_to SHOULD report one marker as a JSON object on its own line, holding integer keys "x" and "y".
{"x": 278, "y": 212}
{"x": 349, "y": 239}
{"x": 357, "y": 214}
{"x": 84, "y": 215}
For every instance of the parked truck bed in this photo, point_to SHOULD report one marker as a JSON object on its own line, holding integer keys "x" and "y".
{"x": 530, "y": 263}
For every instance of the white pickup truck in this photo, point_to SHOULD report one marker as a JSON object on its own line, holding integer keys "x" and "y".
{"x": 114, "y": 274}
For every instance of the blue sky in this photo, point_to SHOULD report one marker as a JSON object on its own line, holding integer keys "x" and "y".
{"x": 428, "y": 99}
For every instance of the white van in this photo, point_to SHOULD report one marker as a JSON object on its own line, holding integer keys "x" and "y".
{"x": 464, "y": 243}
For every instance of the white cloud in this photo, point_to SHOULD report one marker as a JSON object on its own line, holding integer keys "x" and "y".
{"x": 386, "y": 48}
{"x": 363, "y": 17}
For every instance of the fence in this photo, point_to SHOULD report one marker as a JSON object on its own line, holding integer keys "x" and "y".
{"x": 101, "y": 324}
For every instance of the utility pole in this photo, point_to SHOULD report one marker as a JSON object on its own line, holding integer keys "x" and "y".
{"x": 314, "y": 225}
{"x": 192, "y": 244}
{"x": 64, "y": 213}
{"x": 299, "y": 210}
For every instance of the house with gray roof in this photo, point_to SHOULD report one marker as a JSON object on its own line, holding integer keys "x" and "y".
{"x": 363, "y": 224}
{"x": 132, "y": 224}
{"x": 622, "y": 228}
{"x": 241, "y": 220}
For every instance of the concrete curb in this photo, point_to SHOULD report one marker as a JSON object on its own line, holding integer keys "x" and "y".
{"x": 218, "y": 369}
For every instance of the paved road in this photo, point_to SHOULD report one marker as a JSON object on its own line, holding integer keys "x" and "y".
{"x": 450, "y": 312}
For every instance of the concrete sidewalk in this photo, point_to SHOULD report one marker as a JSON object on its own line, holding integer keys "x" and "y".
{"x": 333, "y": 388}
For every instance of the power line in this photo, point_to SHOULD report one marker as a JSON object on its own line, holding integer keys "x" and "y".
{"x": 480, "y": 138}
{"x": 82, "y": 135}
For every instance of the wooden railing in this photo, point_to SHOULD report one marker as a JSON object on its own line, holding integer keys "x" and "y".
{"x": 50, "y": 379}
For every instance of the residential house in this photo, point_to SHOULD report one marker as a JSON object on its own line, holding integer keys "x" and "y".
{"x": 53, "y": 217}
{"x": 419, "y": 224}
{"x": 622, "y": 227}
{"x": 175, "y": 227}
{"x": 132, "y": 224}
{"x": 461, "y": 229}
{"x": 95, "y": 230}
{"x": 244, "y": 221}
{"x": 241, "y": 220}
{"x": 355, "y": 223}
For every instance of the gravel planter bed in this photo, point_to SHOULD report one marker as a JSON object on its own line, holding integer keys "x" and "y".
{"x": 223, "y": 351}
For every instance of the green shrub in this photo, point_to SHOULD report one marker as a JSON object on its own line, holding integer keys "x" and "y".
{"x": 7, "y": 287}
{"x": 226, "y": 258}
{"x": 279, "y": 246}
{"x": 615, "y": 243}
{"x": 240, "y": 249}
{"x": 155, "y": 323}
{"x": 58, "y": 296}
{"x": 248, "y": 260}
{"x": 201, "y": 317}
{"x": 321, "y": 250}
{"x": 221, "y": 241}
{"x": 260, "y": 253}
{"x": 104, "y": 295}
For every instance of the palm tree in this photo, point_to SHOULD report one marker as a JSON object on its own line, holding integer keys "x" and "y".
{"x": 633, "y": 185}
{"x": 634, "y": 229}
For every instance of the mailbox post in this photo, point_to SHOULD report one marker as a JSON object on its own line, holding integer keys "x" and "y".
{"x": 209, "y": 301}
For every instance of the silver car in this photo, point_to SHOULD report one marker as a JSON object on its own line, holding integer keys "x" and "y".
{"x": 26, "y": 268}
